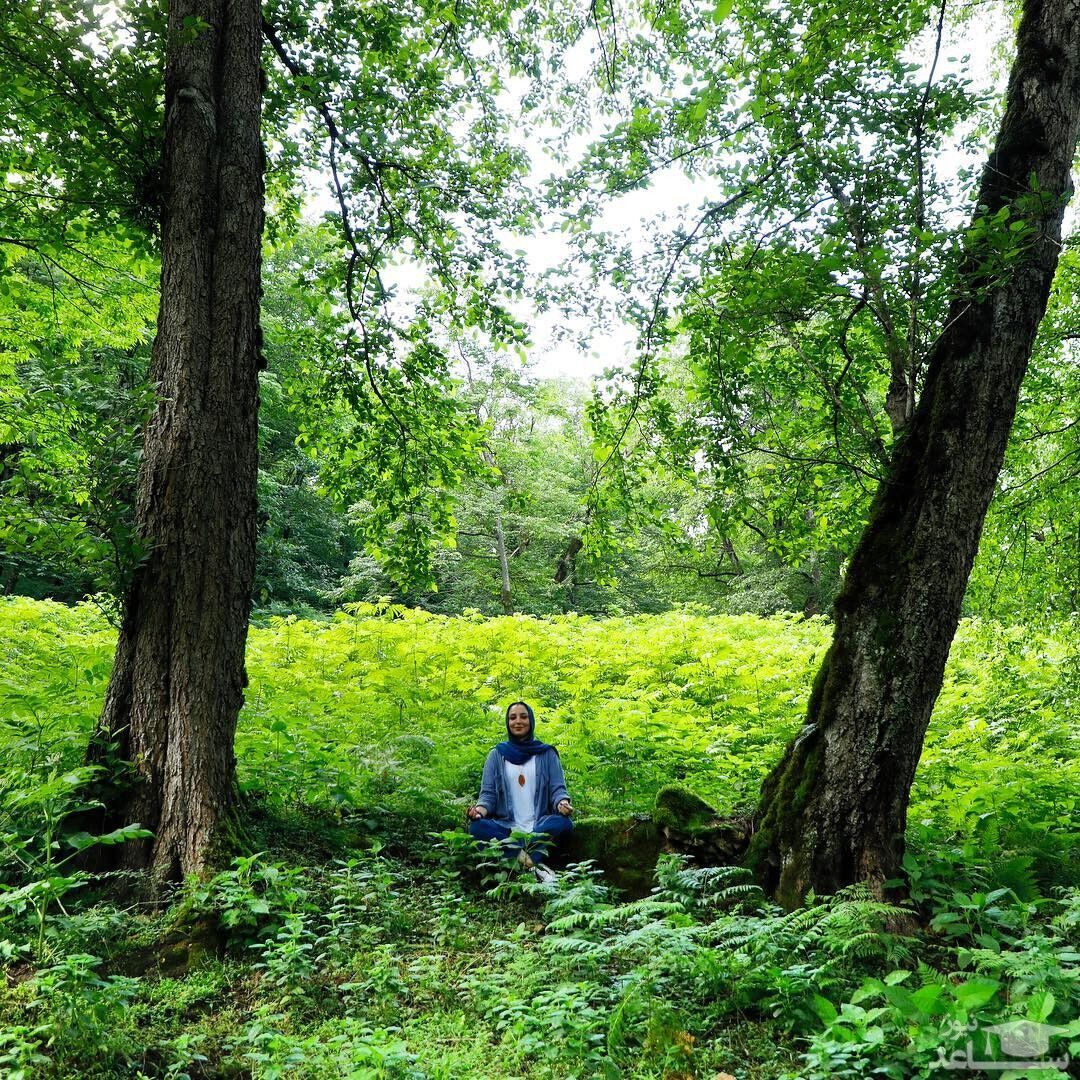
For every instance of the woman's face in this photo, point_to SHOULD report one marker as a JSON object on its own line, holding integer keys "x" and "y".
{"x": 517, "y": 720}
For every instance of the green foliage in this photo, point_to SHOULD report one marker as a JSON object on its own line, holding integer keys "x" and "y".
{"x": 410, "y": 122}
{"x": 37, "y": 845}
{"x": 384, "y": 711}
{"x": 71, "y": 435}
{"x": 250, "y": 898}
{"x": 1029, "y": 561}
{"x": 410, "y": 119}
{"x": 360, "y": 944}
{"x": 85, "y": 1008}
{"x": 633, "y": 717}
{"x": 911, "y": 1031}
{"x": 818, "y": 283}
{"x": 81, "y": 104}
{"x": 784, "y": 320}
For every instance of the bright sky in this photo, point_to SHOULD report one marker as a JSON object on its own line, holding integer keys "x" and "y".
{"x": 631, "y": 214}
{"x": 612, "y": 346}
{"x": 673, "y": 190}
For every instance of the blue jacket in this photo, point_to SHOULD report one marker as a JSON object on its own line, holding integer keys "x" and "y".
{"x": 550, "y": 787}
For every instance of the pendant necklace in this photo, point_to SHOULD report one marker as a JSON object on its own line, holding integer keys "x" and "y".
{"x": 521, "y": 779}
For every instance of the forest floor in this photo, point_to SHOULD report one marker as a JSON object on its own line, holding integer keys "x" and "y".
{"x": 363, "y": 936}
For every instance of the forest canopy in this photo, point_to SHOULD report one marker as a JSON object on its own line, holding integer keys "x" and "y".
{"x": 730, "y": 456}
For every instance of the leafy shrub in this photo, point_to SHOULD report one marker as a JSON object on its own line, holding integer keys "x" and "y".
{"x": 250, "y": 899}
{"x": 398, "y": 959}
{"x": 83, "y": 1010}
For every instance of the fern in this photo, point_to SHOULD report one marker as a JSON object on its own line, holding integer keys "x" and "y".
{"x": 576, "y": 946}
{"x": 1015, "y": 874}
{"x": 705, "y": 888}
{"x": 616, "y": 916}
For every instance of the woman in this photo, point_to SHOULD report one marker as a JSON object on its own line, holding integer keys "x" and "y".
{"x": 523, "y": 790}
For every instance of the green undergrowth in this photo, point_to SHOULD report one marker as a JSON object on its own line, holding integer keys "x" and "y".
{"x": 364, "y": 941}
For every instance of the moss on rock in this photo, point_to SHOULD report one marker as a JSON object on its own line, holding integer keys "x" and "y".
{"x": 688, "y": 824}
{"x": 625, "y": 848}
{"x": 678, "y": 809}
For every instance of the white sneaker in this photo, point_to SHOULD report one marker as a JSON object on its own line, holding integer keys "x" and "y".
{"x": 544, "y": 874}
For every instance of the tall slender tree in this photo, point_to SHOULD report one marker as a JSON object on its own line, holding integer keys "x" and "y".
{"x": 833, "y": 811}
{"x": 178, "y": 679}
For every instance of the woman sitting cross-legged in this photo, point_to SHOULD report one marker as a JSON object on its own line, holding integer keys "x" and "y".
{"x": 523, "y": 790}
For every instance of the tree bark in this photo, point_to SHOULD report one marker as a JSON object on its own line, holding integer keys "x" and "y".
{"x": 732, "y": 554}
{"x": 506, "y": 596}
{"x": 566, "y": 572}
{"x": 567, "y": 564}
{"x": 178, "y": 678}
{"x": 833, "y": 811}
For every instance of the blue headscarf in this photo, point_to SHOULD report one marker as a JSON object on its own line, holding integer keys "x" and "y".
{"x": 518, "y": 749}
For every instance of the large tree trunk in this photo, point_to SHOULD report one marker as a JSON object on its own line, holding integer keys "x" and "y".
{"x": 834, "y": 809}
{"x": 177, "y": 684}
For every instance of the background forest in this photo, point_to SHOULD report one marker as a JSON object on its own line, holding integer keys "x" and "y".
{"x": 589, "y": 333}
{"x": 764, "y": 529}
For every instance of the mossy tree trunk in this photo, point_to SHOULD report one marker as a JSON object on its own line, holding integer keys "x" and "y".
{"x": 833, "y": 811}
{"x": 177, "y": 683}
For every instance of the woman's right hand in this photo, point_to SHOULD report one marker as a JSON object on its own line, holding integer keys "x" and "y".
{"x": 475, "y": 812}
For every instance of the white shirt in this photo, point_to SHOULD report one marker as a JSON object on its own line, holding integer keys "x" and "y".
{"x": 522, "y": 795}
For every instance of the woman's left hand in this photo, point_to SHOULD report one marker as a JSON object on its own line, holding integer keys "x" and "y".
{"x": 564, "y": 807}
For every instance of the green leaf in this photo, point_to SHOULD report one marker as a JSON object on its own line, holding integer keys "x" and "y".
{"x": 928, "y": 999}
{"x": 824, "y": 1008}
{"x": 125, "y": 833}
{"x": 975, "y": 993}
{"x": 1040, "y": 1005}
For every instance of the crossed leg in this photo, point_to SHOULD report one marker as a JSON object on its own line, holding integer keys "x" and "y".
{"x": 546, "y": 833}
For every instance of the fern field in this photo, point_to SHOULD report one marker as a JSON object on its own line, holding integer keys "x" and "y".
{"x": 363, "y": 935}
